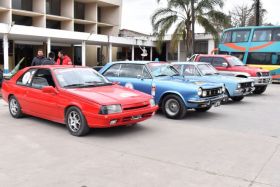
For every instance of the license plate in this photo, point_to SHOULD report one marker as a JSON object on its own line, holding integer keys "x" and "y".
{"x": 136, "y": 117}
{"x": 217, "y": 104}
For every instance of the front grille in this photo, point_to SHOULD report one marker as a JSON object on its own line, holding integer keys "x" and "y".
{"x": 212, "y": 92}
{"x": 246, "y": 85}
{"x": 136, "y": 107}
{"x": 263, "y": 74}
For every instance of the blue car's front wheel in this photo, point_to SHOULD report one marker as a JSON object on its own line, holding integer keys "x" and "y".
{"x": 173, "y": 107}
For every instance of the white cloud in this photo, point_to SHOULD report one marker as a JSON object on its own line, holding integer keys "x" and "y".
{"x": 137, "y": 13}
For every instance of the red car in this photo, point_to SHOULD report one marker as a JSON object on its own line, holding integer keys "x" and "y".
{"x": 79, "y": 97}
{"x": 230, "y": 65}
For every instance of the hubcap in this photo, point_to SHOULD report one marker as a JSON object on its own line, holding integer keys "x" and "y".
{"x": 14, "y": 107}
{"x": 172, "y": 107}
{"x": 74, "y": 121}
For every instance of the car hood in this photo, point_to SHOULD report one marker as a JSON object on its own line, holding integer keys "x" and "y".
{"x": 107, "y": 95}
{"x": 226, "y": 79}
{"x": 250, "y": 68}
{"x": 192, "y": 82}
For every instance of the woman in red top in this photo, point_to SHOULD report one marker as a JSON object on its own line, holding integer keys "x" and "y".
{"x": 63, "y": 59}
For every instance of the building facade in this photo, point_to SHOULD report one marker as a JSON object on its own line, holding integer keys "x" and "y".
{"x": 87, "y": 30}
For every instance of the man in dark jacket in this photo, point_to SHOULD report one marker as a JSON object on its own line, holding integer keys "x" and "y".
{"x": 38, "y": 60}
{"x": 50, "y": 59}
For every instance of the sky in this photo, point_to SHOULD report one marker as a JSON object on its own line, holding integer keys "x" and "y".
{"x": 137, "y": 13}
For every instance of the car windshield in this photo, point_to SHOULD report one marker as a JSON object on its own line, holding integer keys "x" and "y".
{"x": 79, "y": 78}
{"x": 207, "y": 69}
{"x": 162, "y": 69}
{"x": 234, "y": 61}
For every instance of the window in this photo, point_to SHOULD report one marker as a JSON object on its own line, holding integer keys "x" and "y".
{"x": 276, "y": 35}
{"x": 26, "y": 78}
{"x": 79, "y": 10}
{"x": 226, "y": 38}
{"x": 263, "y": 58}
{"x": 190, "y": 70}
{"x": 42, "y": 78}
{"x": 53, "y": 7}
{"x": 22, "y": 20}
{"x": 262, "y": 35}
{"x": 113, "y": 71}
{"x": 132, "y": 70}
{"x": 218, "y": 62}
{"x": 239, "y": 55}
{"x": 51, "y": 24}
{"x": 79, "y": 27}
{"x": 206, "y": 59}
{"x": 22, "y": 4}
{"x": 240, "y": 36}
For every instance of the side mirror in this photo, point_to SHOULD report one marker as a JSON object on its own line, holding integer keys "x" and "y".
{"x": 139, "y": 77}
{"x": 188, "y": 59}
{"x": 225, "y": 65}
{"x": 49, "y": 90}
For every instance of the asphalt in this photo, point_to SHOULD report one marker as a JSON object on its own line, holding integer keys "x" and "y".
{"x": 235, "y": 145}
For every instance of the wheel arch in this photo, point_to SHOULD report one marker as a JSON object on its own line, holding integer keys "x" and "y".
{"x": 170, "y": 93}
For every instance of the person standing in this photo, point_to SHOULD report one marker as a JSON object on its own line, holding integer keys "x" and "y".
{"x": 50, "y": 60}
{"x": 63, "y": 59}
{"x": 38, "y": 60}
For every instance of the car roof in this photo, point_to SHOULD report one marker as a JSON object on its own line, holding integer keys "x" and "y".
{"x": 52, "y": 67}
{"x": 135, "y": 62}
{"x": 225, "y": 56}
{"x": 190, "y": 63}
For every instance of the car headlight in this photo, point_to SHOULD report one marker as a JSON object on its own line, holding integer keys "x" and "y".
{"x": 252, "y": 84}
{"x": 204, "y": 93}
{"x": 152, "y": 102}
{"x": 111, "y": 109}
{"x": 224, "y": 89}
{"x": 199, "y": 92}
{"x": 238, "y": 86}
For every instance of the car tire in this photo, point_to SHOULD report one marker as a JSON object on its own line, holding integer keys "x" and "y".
{"x": 236, "y": 99}
{"x": 173, "y": 107}
{"x": 226, "y": 99}
{"x": 260, "y": 89}
{"x": 203, "y": 109}
{"x": 76, "y": 122}
{"x": 15, "y": 108}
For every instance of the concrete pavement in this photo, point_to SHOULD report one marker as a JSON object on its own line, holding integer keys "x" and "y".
{"x": 235, "y": 145}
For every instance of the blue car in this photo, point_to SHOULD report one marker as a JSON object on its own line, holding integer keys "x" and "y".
{"x": 172, "y": 92}
{"x": 236, "y": 88}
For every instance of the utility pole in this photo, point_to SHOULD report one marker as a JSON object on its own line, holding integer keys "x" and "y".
{"x": 257, "y": 12}
{"x": 193, "y": 25}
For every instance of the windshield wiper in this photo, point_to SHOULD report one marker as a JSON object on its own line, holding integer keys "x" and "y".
{"x": 94, "y": 83}
{"x": 161, "y": 75}
{"x": 74, "y": 85}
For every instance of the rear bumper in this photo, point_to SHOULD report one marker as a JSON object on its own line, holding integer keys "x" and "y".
{"x": 206, "y": 102}
{"x": 124, "y": 118}
{"x": 262, "y": 81}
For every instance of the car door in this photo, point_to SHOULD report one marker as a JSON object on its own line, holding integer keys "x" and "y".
{"x": 136, "y": 76}
{"x": 43, "y": 104}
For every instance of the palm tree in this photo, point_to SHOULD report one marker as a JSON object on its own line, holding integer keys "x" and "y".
{"x": 178, "y": 13}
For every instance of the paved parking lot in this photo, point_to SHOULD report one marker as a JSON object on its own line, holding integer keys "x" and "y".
{"x": 235, "y": 145}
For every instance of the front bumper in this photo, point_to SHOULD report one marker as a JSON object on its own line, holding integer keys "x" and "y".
{"x": 262, "y": 81}
{"x": 243, "y": 91}
{"x": 124, "y": 118}
{"x": 206, "y": 102}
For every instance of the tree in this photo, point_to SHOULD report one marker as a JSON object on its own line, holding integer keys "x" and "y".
{"x": 246, "y": 15}
{"x": 178, "y": 13}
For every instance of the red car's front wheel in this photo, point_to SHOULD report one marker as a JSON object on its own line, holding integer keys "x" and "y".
{"x": 15, "y": 108}
{"x": 76, "y": 122}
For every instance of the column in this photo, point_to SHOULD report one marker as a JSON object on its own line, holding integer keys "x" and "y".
{"x": 6, "y": 53}
{"x": 49, "y": 46}
{"x": 211, "y": 46}
{"x": 179, "y": 51}
{"x": 110, "y": 52}
{"x": 151, "y": 54}
{"x": 84, "y": 53}
{"x": 132, "y": 53}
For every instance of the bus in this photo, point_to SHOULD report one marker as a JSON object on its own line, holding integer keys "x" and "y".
{"x": 257, "y": 46}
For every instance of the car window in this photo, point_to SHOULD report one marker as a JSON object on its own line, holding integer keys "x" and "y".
{"x": 206, "y": 59}
{"x": 177, "y": 67}
{"x": 190, "y": 70}
{"x": 26, "y": 78}
{"x": 42, "y": 78}
{"x": 218, "y": 62}
{"x": 113, "y": 71}
{"x": 132, "y": 70}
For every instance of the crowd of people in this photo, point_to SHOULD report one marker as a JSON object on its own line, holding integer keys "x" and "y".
{"x": 40, "y": 59}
